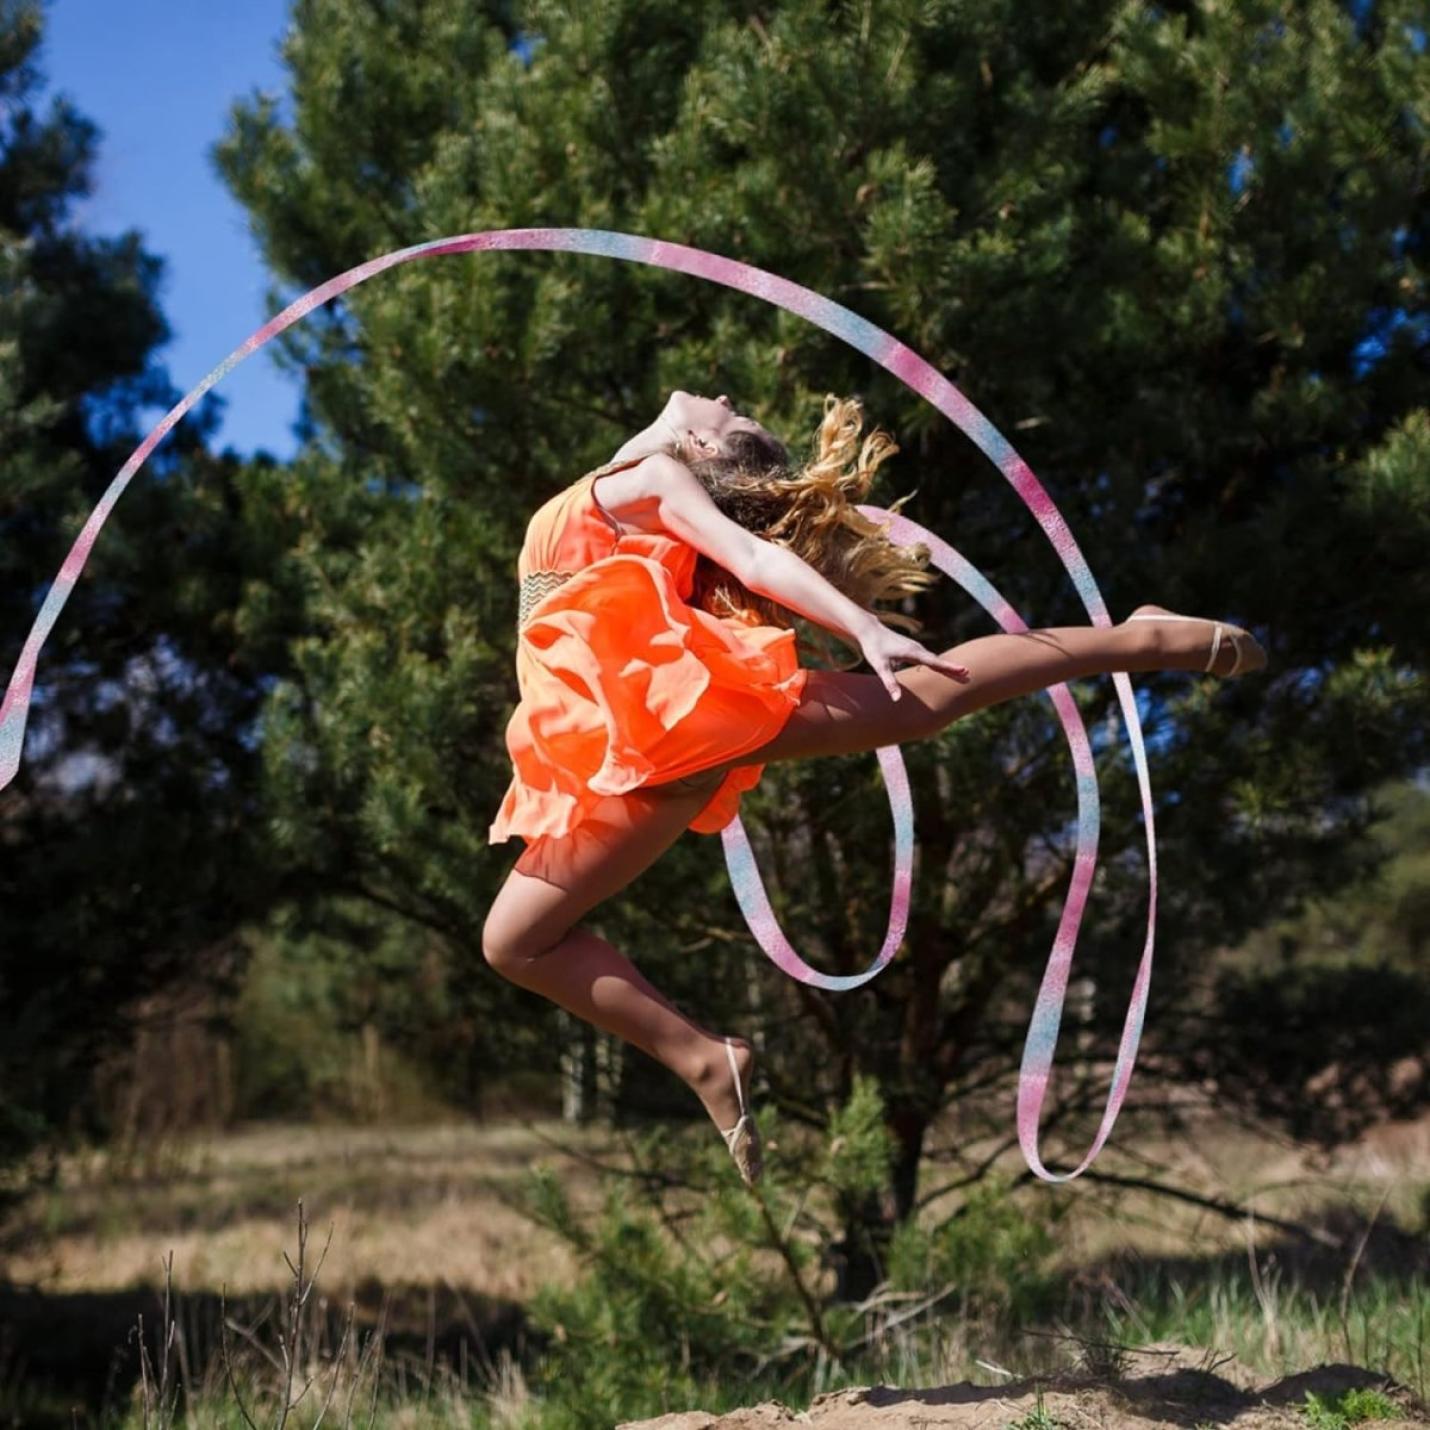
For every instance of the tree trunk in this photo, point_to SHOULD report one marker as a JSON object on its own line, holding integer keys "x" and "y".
{"x": 909, "y": 1124}
{"x": 578, "y": 1068}
{"x": 610, "y": 1064}
{"x": 860, "y": 1256}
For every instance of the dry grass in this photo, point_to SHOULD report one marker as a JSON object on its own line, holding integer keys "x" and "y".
{"x": 425, "y": 1202}
{"x": 1388, "y": 1168}
{"x": 409, "y": 1204}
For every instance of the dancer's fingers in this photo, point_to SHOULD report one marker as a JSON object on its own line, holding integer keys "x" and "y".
{"x": 958, "y": 672}
{"x": 937, "y": 662}
{"x": 885, "y": 671}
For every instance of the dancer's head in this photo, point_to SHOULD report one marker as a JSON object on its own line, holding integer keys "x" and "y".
{"x": 702, "y": 428}
{"x": 808, "y": 507}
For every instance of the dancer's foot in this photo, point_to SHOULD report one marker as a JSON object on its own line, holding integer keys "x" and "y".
{"x": 714, "y": 1082}
{"x": 1189, "y": 640}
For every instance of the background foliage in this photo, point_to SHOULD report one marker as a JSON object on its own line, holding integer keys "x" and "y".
{"x": 1176, "y": 252}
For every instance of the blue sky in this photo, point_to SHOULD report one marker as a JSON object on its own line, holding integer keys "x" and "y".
{"x": 158, "y": 78}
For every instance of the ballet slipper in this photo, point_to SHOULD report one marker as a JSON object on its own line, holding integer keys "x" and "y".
{"x": 1246, "y": 659}
{"x": 743, "y": 1139}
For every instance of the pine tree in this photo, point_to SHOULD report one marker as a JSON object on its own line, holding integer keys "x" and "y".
{"x": 131, "y": 836}
{"x": 1175, "y": 252}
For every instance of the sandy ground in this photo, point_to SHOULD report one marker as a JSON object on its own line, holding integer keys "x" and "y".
{"x": 1168, "y": 1385}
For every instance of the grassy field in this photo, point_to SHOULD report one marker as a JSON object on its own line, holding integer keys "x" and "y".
{"x": 426, "y": 1243}
{"x": 408, "y": 1203}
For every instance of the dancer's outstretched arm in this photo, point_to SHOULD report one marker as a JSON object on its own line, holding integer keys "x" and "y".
{"x": 689, "y": 513}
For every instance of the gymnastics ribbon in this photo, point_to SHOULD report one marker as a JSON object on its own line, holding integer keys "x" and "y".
{"x": 931, "y": 385}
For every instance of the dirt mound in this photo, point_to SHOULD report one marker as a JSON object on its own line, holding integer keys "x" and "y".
{"x": 1162, "y": 1385}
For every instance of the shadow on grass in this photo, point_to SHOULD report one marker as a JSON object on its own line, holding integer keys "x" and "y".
{"x": 81, "y": 1348}
{"x": 1338, "y": 1240}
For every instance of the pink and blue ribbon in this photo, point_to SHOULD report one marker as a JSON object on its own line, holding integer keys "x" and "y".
{"x": 931, "y": 385}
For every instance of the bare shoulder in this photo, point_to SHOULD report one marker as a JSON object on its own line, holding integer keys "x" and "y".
{"x": 632, "y": 495}
{"x": 661, "y": 495}
{"x": 686, "y": 511}
{"x": 638, "y": 495}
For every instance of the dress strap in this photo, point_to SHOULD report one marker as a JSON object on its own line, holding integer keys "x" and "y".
{"x": 607, "y": 468}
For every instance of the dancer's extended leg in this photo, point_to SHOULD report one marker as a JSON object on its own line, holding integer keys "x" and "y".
{"x": 846, "y": 712}
{"x": 530, "y": 935}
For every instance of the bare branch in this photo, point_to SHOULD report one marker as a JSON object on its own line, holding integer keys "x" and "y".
{"x": 373, "y": 1340}
{"x": 227, "y": 1360}
{"x": 254, "y": 1341}
{"x": 1232, "y": 1210}
{"x": 888, "y": 1325}
{"x": 1351, "y": 1271}
{"x": 337, "y": 1363}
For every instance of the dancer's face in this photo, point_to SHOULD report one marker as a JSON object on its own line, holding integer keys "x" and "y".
{"x": 704, "y": 423}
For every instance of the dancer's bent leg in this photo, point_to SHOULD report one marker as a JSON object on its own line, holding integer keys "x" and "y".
{"x": 847, "y": 712}
{"x": 530, "y": 936}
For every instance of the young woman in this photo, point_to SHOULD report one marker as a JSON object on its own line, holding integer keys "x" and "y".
{"x": 658, "y": 676}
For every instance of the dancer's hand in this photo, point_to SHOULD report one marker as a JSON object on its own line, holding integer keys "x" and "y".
{"x": 881, "y": 647}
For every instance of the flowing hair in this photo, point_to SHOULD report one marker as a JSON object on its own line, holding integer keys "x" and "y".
{"x": 808, "y": 508}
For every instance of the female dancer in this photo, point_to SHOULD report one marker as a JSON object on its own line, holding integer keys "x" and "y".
{"x": 658, "y": 676}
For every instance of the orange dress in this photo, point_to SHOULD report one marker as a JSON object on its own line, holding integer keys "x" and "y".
{"x": 622, "y": 682}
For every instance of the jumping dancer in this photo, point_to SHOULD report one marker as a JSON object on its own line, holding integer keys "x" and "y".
{"x": 658, "y": 676}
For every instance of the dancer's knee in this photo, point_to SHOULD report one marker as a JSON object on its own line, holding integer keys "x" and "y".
{"x": 705, "y": 781}
{"x": 507, "y": 946}
{"x": 498, "y": 948}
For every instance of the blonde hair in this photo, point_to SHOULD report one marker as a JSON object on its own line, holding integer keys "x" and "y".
{"x": 809, "y": 509}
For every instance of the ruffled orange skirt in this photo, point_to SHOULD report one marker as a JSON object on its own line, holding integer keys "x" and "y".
{"x": 622, "y": 683}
